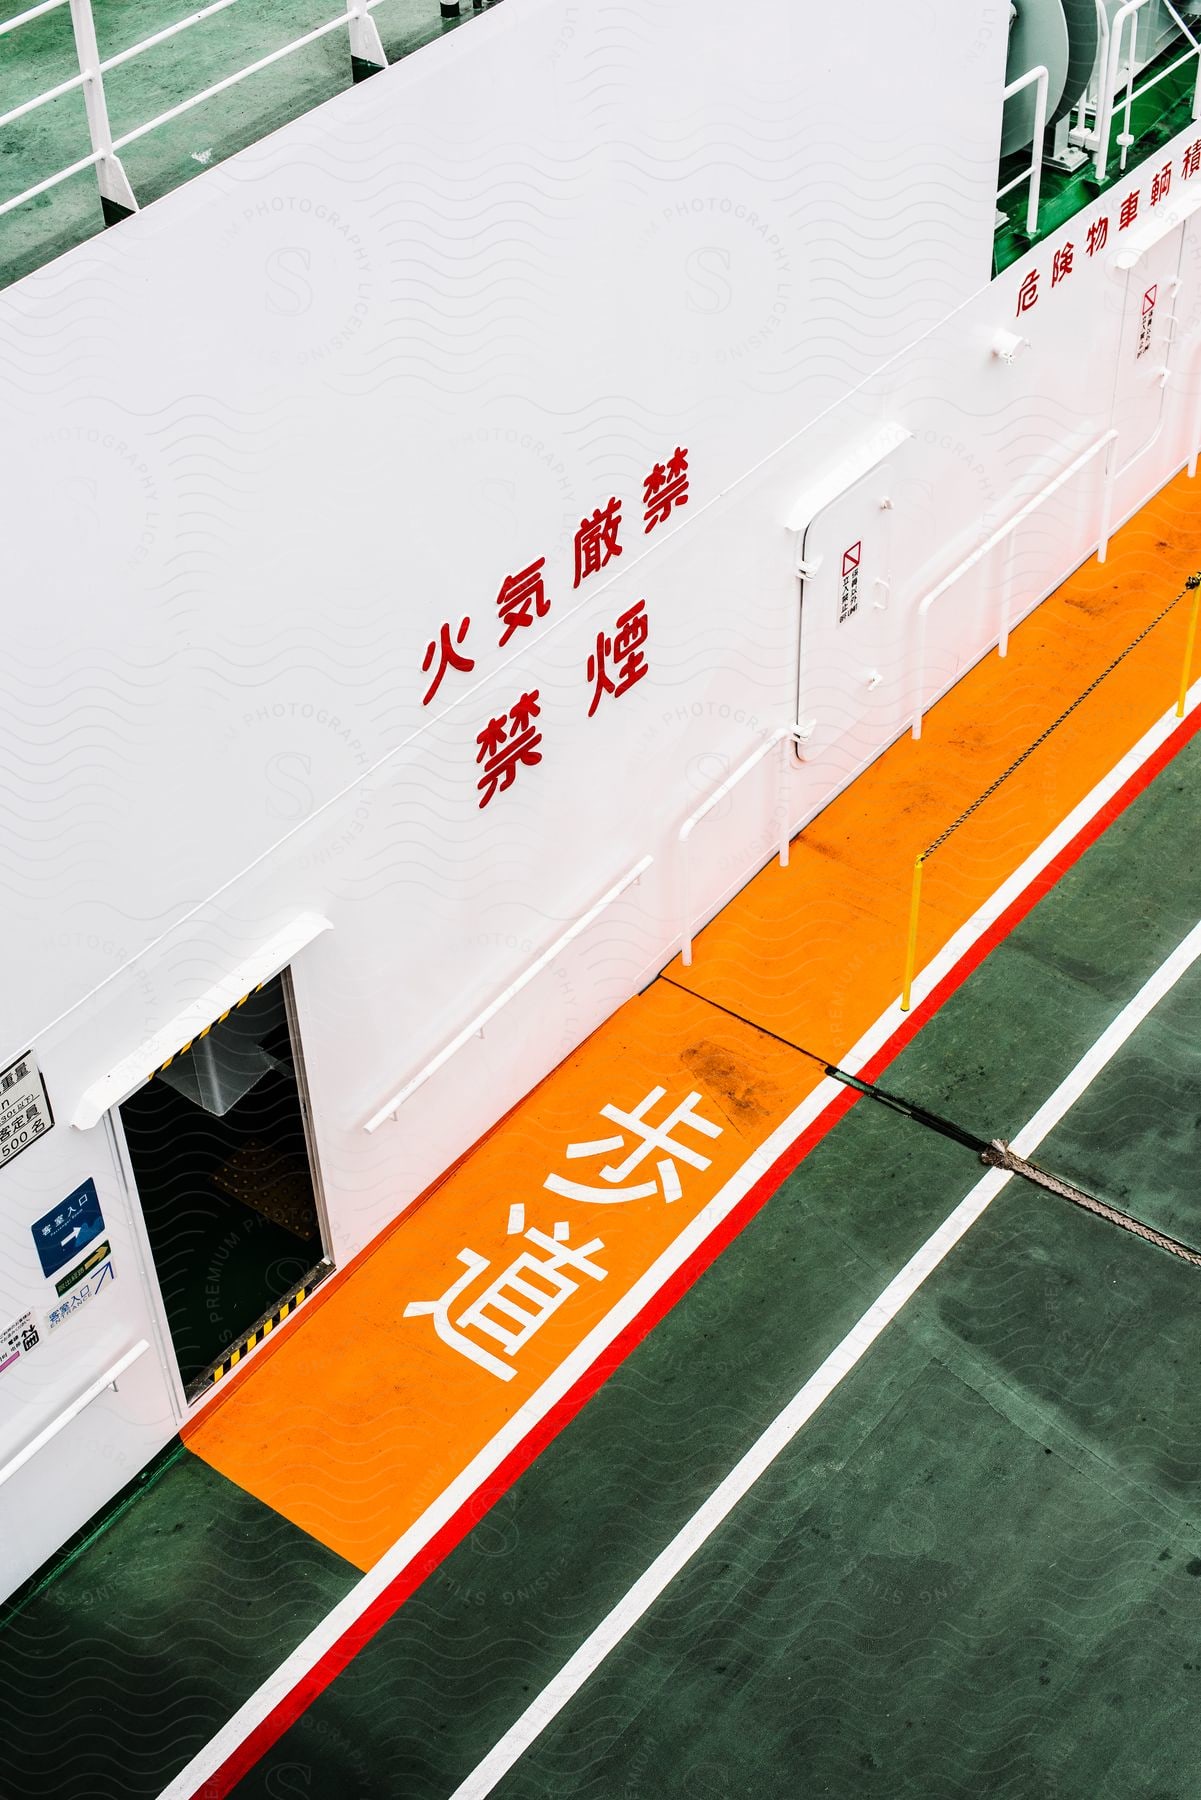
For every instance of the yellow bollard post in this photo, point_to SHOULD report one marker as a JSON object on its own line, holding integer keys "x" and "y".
{"x": 1194, "y": 581}
{"x": 911, "y": 950}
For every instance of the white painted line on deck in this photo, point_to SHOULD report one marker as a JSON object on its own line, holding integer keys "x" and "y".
{"x": 295, "y": 1667}
{"x": 784, "y": 1428}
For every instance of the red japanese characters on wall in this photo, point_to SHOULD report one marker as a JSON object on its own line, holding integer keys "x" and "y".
{"x": 665, "y": 487}
{"x": 596, "y": 541}
{"x": 618, "y": 660}
{"x": 507, "y": 743}
{"x": 1063, "y": 261}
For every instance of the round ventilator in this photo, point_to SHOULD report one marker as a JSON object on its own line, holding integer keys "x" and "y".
{"x": 1084, "y": 37}
{"x": 1038, "y": 37}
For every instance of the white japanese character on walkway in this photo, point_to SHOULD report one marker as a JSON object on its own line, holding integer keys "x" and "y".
{"x": 653, "y": 1137}
{"x": 518, "y": 1302}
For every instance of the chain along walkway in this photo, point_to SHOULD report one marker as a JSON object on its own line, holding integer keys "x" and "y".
{"x": 904, "y": 1492}
{"x": 813, "y": 953}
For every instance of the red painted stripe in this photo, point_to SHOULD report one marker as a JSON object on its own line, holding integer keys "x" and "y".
{"x": 288, "y": 1710}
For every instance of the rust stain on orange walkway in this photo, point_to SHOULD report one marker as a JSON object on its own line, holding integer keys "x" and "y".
{"x": 359, "y": 1418}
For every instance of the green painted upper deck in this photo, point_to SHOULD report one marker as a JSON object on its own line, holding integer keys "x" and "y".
{"x": 1156, "y": 115}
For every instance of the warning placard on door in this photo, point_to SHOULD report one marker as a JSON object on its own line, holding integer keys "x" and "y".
{"x": 17, "y": 1340}
{"x": 25, "y": 1112}
{"x": 848, "y": 601}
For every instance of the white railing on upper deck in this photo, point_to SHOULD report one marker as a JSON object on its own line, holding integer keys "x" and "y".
{"x": 115, "y": 190}
{"x": 1034, "y": 173}
{"x": 1115, "y": 75}
{"x": 1113, "y": 81}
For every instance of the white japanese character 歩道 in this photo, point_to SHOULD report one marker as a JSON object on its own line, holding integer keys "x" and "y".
{"x": 517, "y": 1302}
{"x": 649, "y": 1139}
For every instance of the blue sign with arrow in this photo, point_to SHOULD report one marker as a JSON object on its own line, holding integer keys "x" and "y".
{"x": 75, "y": 1222}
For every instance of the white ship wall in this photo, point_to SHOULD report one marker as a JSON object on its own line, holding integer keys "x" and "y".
{"x": 261, "y": 441}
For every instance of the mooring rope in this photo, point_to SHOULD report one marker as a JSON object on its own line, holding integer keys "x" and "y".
{"x": 1000, "y": 1156}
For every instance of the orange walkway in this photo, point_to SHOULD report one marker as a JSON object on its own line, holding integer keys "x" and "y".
{"x": 359, "y": 1416}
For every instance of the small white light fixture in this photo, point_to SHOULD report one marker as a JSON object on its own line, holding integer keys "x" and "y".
{"x": 1007, "y": 345}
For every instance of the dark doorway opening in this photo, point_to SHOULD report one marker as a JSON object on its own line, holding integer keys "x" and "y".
{"x": 219, "y": 1152}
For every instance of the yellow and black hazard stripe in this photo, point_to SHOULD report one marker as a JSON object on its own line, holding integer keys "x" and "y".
{"x": 184, "y": 1048}
{"x": 262, "y": 1330}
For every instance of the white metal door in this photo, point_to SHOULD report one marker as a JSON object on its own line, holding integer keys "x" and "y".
{"x": 850, "y": 697}
{"x": 1145, "y": 343}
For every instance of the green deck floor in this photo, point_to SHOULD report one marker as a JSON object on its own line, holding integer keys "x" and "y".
{"x": 976, "y": 1570}
{"x": 123, "y": 1663}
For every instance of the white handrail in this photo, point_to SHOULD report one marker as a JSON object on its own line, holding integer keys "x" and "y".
{"x": 85, "y": 162}
{"x": 117, "y": 198}
{"x": 35, "y": 12}
{"x": 365, "y": 46}
{"x": 219, "y": 87}
{"x": 1105, "y": 115}
{"x": 160, "y": 37}
{"x": 54, "y": 93}
{"x": 1133, "y": 93}
{"x": 108, "y": 1379}
{"x": 789, "y": 732}
{"x": 1103, "y": 33}
{"x": 1196, "y": 43}
{"x": 1109, "y": 58}
{"x": 1194, "y": 436}
{"x": 1034, "y": 174}
{"x": 1004, "y": 531}
{"x": 391, "y": 1107}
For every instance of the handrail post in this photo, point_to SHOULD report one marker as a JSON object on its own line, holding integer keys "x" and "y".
{"x": 1039, "y": 75}
{"x": 785, "y": 840}
{"x": 915, "y": 901}
{"x": 1194, "y": 581}
{"x": 1036, "y": 166}
{"x": 920, "y": 659}
{"x": 1108, "y": 479}
{"x": 367, "y": 55}
{"x": 1006, "y": 574}
{"x": 782, "y": 734}
{"x": 117, "y": 200}
{"x": 1194, "y": 439}
{"x": 1110, "y": 77}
